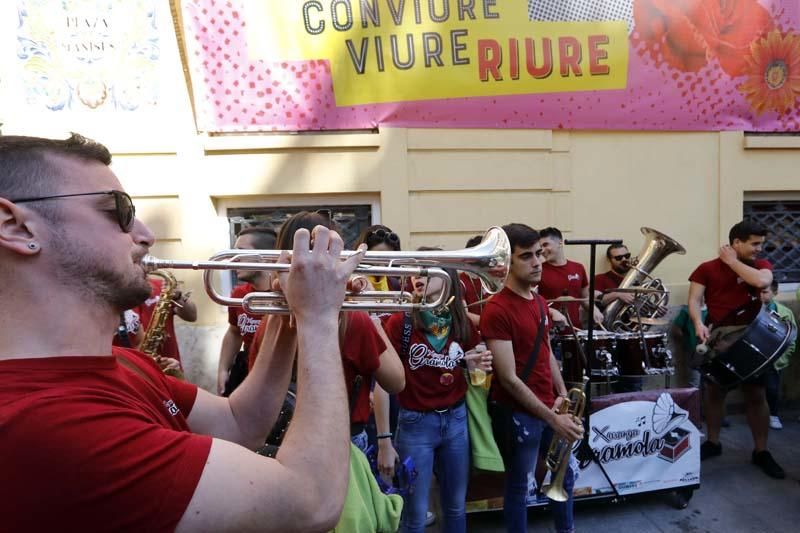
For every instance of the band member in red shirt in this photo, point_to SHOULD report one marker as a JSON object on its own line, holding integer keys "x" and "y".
{"x": 562, "y": 277}
{"x": 241, "y": 324}
{"x": 364, "y": 352}
{"x": 473, "y": 290}
{"x": 183, "y": 307}
{"x": 731, "y": 285}
{"x": 620, "y": 260}
{"x": 432, "y": 423}
{"x": 510, "y": 324}
{"x": 100, "y": 433}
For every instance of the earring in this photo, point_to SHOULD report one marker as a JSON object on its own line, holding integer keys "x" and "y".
{"x": 32, "y": 246}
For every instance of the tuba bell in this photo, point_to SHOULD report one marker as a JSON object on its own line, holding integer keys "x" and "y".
{"x": 657, "y": 246}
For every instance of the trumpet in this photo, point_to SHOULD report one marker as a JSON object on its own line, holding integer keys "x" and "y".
{"x": 558, "y": 454}
{"x": 489, "y": 260}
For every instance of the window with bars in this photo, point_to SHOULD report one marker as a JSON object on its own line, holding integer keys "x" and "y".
{"x": 350, "y": 219}
{"x": 782, "y": 247}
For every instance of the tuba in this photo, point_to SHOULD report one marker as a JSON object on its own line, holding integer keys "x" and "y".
{"x": 156, "y": 329}
{"x": 618, "y": 315}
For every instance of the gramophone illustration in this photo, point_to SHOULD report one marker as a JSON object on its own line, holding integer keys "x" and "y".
{"x": 667, "y": 417}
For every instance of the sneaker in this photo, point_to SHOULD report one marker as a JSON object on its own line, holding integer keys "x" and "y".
{"x": 764, "y": 460}
{"x": 430, "y": 518}
{"x": 710, "y": 449}
{"x": 775, "y": 423}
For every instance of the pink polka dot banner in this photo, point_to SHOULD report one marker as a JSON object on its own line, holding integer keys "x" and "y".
{"x": 310, "y": 65}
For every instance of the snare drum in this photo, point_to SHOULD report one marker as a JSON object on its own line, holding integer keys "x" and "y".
{"x": 635, "y": 361}
{"x": 603, "y": 362}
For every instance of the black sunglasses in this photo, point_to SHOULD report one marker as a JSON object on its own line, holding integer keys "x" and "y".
{"x": 621, "y": 257}
{"x": 125, "y": 210}
{"x": 385, "y": 236}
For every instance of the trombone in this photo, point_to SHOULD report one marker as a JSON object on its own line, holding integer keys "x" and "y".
{"x": 489, "y": 260}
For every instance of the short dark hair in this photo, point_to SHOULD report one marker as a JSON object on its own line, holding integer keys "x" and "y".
{"x": 25, "y": 169}
{"x": 371, "y": 238}
{"x": 614, "y": 247}
{"x": 774, "y": 286}
{"x": 264, "y": 236}
{"x": 521, "y": 236}
{"x": 745, "y": 229}
{"x": 474, "y": 241}
{"x": 551, "y": 232}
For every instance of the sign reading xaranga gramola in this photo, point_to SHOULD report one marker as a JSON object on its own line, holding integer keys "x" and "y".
{"x": 410, "y": 50}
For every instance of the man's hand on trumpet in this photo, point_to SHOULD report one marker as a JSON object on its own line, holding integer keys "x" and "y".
{"x": 316, "y": 281}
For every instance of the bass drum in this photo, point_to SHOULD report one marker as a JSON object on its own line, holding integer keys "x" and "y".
{"x": 275, "y": 438}
{"x": 731, "y": 360}
{"x": 635, "y": 350}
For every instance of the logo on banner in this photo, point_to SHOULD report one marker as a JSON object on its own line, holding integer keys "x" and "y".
{"x": 660, "y": 436}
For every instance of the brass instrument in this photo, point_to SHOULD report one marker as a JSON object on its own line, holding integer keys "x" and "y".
{"x": 156, "y": 330}
{"x": 651, "y": 302}
{"x": 490, "y": 261}
{"x": 558, "y": 454}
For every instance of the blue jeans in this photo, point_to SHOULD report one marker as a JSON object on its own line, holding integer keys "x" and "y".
{"x": 531, "y": 433}
{"x": 436, "y": 440}
{"x": 360, "y": 441}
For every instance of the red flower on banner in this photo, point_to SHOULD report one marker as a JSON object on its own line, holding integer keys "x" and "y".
{"x": 665, "y": 27}
{"x": 688, "y": 32}
{"x": 728, "y": 27}
{"x": 773, "y": 69}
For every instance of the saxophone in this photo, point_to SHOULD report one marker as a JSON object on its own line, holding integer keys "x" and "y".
{"x": 156, "y": 330}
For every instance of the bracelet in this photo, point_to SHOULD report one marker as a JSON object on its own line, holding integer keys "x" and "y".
{"x": 384, "y": 436}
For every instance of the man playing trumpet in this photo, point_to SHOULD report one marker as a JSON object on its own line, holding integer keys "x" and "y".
{"x": 102, "y": 435}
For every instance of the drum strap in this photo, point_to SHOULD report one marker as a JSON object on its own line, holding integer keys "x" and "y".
{"x": 526, "y": 372}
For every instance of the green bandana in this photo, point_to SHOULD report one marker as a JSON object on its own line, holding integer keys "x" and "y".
{"x": 437, "y": 328}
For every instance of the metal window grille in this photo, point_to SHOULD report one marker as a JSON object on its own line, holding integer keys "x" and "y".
{"x": 782, "y": 247}
{"x": 350, "y": 219}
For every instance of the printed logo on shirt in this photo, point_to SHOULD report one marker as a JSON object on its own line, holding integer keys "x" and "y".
{"x": 739, "y": 280}
{"x": 573, "y": 277}
{"x": 172, "y": 409}
{"x": 247, "y": 324}
{"x": 152, "y": 301}
{"x": 422, "y": 355}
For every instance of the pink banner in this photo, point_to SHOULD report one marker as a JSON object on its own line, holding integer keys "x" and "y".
{"x": 687, "y": 65}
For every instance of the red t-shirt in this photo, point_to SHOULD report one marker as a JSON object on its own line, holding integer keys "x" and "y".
{"x": 246, "y": 322}
{"x": 169, "y": 348}
{"x": 362, "y": 347}
{"x": 566, "y": 280}
{"x": 473, "y": 292}
{"x": 607, "y": 281}
{"x": 433, "y": 380}
{"x": 89, "y": 445}
{"x": 361, "y": 356}
{"x": 510, "y": 317}
{"x": 725, "y": 290}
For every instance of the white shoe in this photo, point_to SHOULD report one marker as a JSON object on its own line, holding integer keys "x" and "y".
{"x": 775, "y": 423}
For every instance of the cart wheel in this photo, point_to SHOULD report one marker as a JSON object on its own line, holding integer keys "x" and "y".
{"x": 681, "y": 497}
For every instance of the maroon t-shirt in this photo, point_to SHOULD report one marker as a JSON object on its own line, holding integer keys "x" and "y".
{"x": 88, "y": 442}
{"x": 169, "y": 348}
{"x": 433, "y": 380}
{"x": 565, "y": 280}
{"x": 510, "y": 317}
{"x": 473, "y": 292}
{"x": 725, "y": 290}
{"x": 607, "y": 281}
{"x": 362, "y": 347}
{"x": 246, "y": 322}
{"x": 361, "y": 356}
